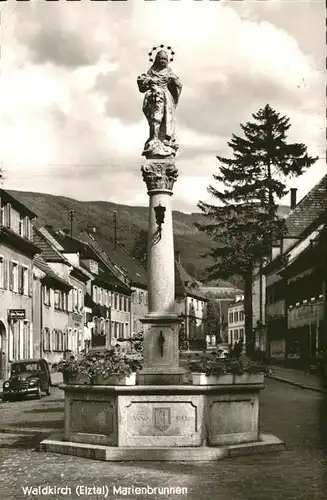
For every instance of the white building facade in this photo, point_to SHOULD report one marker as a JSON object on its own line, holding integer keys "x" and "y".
{"x": 236, "y": 323}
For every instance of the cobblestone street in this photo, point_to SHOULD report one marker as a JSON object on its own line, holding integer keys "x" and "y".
{"x": 288, "y": 412}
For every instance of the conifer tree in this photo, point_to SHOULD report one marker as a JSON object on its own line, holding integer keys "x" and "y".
{"x": 140, "y": 249}
{"x": 245, "y": 223}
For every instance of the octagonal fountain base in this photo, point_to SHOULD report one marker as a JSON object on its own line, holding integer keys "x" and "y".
{"x": 161, "y": 423}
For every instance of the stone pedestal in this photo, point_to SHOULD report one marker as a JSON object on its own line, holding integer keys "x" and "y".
{"x": 161, "y": 325}
{"x": 161, "y": 351}
{"x": 161, "y": 422}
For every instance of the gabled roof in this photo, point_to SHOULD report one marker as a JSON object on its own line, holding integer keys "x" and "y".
{"x": 185, "y": 284}
{"x": 71, "y": 244}
{"x": 11, "y": 237}
{"x": 16, "y": 204}
{"x": 50, "y": 241}
{"x": 120, "y": 257}
{"x": 49, "y": 252}
{"x": 41, "y": 264}
{"x": 309, "y": 210}
{"x": 106, "y": 278}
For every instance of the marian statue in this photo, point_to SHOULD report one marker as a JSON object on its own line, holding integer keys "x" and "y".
{"x": 162, "y": 90}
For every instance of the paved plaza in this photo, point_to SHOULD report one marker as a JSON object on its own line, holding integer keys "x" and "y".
{"x": 293, "y": 414}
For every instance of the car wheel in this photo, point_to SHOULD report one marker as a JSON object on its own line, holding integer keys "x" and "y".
{"x": 48, "y": 390}
{"x": 38, "y": 393}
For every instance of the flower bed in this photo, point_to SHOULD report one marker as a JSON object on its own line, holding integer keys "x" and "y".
{"x": 213, "y": 370}
{"x": 108, "y": 367}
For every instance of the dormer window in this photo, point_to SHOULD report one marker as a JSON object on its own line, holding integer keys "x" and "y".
{"x": 94, "y": 267}
{"x": 2, "y": 216}
{"x": 27, "y": 228}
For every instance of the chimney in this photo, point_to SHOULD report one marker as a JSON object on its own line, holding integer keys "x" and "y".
{"x": 66, "y": 230}
{"x": 293, "y": 197}
{"x": 178, "y": 256}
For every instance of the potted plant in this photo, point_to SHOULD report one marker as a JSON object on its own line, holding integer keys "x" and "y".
{"x": 214, "y": 370}
{"x": 111, "y": 368}
{"x": 246, "y": 371}
{"x": 210, "y": 370}
{"x": 73, "y": 372}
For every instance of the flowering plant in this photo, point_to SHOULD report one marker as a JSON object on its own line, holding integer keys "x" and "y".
{"x": 69, "y": 366}
{"x": 212, "y": 364}
{"x": 108, "y": 363}
{"x": 100, "y": 363}
{"x": 137, "y": 342}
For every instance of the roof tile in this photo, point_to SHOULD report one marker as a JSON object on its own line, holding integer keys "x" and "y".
{"x": 308, "y": 210}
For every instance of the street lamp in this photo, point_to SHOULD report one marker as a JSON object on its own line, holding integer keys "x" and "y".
{"x": 160, "y": 215}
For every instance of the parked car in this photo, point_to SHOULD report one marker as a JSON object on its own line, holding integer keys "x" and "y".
{"x": 28, "y": 377}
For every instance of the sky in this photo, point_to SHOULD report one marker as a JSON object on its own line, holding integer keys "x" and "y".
{"x": 71, "y": 114}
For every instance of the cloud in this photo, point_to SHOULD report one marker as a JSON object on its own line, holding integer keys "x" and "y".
{"x": 72, "y": 109}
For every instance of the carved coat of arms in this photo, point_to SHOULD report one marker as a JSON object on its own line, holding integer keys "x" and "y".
{"x": 161, "y": 418}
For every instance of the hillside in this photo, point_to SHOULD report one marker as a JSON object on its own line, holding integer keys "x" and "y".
{"x": 54, "y": 211}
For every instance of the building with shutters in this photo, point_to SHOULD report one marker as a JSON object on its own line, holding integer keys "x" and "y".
{"x": 16, "y": 280}
{"x": 107, "y": 308}
{"x": 220, "y": 294}
{"x": 125, "y": 280}
{"x": 296, "y": 282}
{"x": 132, "y": 273}
{"x": 50, "y": 312}
{"x": 190, "y": 305}
{"x": 67, "y": 268}
{"x": 236, "y": 323}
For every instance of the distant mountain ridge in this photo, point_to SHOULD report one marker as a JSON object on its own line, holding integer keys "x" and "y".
{"x": 54, "y": 210}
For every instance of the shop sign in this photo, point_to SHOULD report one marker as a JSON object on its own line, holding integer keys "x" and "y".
{"x": 16, "y": 314}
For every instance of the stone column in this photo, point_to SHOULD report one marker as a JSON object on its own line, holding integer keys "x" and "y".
{"x": 161, "y": 325}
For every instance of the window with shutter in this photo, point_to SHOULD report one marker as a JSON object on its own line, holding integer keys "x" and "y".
{"x": 15, "y": 273}
{"x": 5, "y": 273}
{"x": 2, "y": 271}
{"x": 20, "y": 279}
{"x": 11, "y": 277}
{"x": 70, "y": 301}
{"x": 27, "y": 281}
{"x": 8, "y": 214}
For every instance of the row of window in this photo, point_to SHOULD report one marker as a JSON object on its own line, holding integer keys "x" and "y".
{"x": 14, "y": 276}
{"x": 118, "y": 329}
{"x": 236, "y": 317}
{"x": 19, "y": 340}
{"x": 74, "y": 301}
{"x": 56, "y": 341}
{"x": 107, "y": 298}
{"x": 60, "y": 341}
{"x": 197, "y": 304}
{"x": 140, "y": 297}
{"x": 236, "y": 335}
{"x": 20, "y": 224}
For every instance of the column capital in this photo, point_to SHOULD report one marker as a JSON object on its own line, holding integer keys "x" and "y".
{"x": 160, "y": 174}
